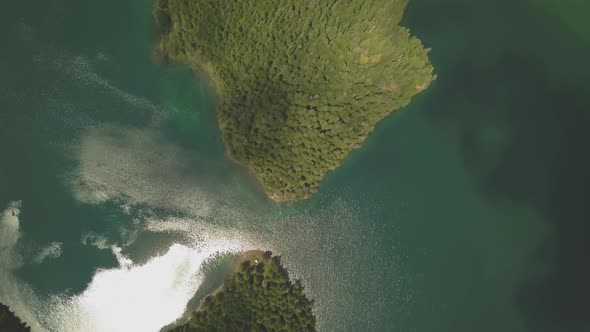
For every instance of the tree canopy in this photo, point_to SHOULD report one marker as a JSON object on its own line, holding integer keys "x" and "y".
{"x": 9, "y": 322}
{"x": 258, "y": 297}
{"x": 302, "y": 82}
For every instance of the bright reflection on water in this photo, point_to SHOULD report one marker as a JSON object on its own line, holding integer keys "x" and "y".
{"x": 132, "y": 297}
{"x": 141, "y": 297}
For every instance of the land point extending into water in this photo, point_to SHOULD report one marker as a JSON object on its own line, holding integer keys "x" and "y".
{"x": 259, "y": 296}
{"x": 301, "y": 83}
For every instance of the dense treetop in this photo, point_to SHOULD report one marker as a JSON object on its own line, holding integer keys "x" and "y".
{"x": 302, "y": 82}
{"x": 258, "y": 297}
{"x": 9, "y": 322}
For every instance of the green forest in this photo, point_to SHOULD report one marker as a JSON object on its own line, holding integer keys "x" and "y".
{"x": 301, "y": 82}
{"x": 258, "y": 297}
{"x": 9, "y": 322}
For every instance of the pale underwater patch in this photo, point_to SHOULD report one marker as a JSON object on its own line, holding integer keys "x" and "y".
{"x": 51, "y": 251}
{"x": 142, "y": 167}
{"x": 95, "y": 240}
{"x": 136, "y": 164}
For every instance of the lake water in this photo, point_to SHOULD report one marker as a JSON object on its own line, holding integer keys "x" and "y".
{"x": 466, "y": 211}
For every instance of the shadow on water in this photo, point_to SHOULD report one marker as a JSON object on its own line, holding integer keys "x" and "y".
{"x": 513, "y": 89}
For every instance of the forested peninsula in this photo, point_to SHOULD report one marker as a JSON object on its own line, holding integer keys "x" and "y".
{"x": 259, "y": 296}
{"x": 301, "y": 83}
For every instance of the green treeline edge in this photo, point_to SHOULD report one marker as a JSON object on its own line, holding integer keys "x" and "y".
{"x": 301, "y": 82}
{"x": 9, "y": 322}
{"x": 258, "y": 297}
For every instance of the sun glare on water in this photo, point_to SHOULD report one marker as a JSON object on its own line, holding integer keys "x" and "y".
{"x": 138, "y": 298}
{"x": 131, "y": 297}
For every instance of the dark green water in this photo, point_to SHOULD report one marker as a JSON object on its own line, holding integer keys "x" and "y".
{"x": 464, "y": 212}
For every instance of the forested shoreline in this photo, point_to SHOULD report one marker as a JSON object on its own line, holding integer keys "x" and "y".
{"x": 259, "y": 296}
{"x": 301, "y": 83}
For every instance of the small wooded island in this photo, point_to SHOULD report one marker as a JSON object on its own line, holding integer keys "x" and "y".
{"x": 259, "y": 296}
{"x": 301, "y": 82}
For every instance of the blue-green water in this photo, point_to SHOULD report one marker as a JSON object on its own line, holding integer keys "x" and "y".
{"x": 463, "y": 212}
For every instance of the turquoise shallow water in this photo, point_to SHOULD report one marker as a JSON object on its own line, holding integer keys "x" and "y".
{"x": 463, "y": 212}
